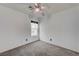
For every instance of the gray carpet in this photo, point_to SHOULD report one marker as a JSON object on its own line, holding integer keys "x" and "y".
{"x": 39, "y": 48}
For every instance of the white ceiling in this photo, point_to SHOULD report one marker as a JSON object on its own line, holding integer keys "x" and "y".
{"x": 49, "y": 7}
{"x": 52, "y": 7}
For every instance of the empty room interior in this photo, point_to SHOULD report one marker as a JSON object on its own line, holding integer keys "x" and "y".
{"x": 39, "y": 29}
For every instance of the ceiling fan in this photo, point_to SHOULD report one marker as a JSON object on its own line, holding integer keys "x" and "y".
{"x": 37, "y": 7}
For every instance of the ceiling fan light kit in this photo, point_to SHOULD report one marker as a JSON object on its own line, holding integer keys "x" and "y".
{"x": 37, "y": 7}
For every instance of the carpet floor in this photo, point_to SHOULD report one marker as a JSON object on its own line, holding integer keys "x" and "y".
{"x": 39, "y": 48}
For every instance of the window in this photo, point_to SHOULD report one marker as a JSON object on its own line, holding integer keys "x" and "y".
{"x": 34, "y": 28}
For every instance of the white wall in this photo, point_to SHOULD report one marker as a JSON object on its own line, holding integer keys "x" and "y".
{"x": 14, "y": 29}
{"x": 63, "y": 28}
